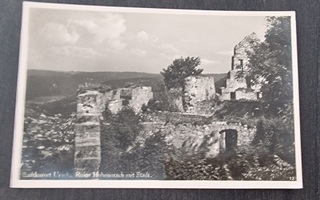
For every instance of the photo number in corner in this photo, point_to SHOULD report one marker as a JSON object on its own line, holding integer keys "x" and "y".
{"x": 156, "y": 98}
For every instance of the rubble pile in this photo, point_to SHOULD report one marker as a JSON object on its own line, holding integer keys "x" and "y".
{"x": 48, "y": 144}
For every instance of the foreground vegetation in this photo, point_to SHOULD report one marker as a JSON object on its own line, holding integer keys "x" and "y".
{"x": 269, "y": 157}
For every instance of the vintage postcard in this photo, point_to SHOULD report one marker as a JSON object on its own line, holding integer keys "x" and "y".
{"x": 112, "y": 97}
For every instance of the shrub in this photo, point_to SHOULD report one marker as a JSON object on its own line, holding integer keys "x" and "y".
{"x": 160, "y": 102}
{"x": 277, "y": 138}
{"x": 257, "y": 162}
{"x": 247, "y": 166}
{"x": 122, "y": 149}
{"x": 124, "y": 127}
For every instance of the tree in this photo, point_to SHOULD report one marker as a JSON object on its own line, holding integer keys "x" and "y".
{"x": 124, "y": 127}
{"x": 180, "y": 69}
{"x": 123, "y": 148}
{"x": 270, "y": 65}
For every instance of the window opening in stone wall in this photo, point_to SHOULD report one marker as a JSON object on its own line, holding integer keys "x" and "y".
{"x": 241, "y": 64}
{"x": 231, "y": 140}
{"x": 258, "y": 95}
{"x": 232, "y": 95}
{"x": 232, "y": 63}
{"x": 125, "y": 102}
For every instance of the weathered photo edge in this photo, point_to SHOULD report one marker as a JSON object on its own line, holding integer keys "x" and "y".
{"x": 16, "y": 182}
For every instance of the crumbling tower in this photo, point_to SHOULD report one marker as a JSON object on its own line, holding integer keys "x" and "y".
{"x": 92, "y": 101}
{"x": 237, "y": 87}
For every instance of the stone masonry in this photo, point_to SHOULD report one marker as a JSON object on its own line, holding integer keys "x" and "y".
{"x": 236, "y": 87}
{"x": 190, "y": 131}
{"x": 90, "y": 106}
{"x": 133, "y": 97}
{"x": 198, "y": 89}
{"x": 191, "y": 137}
{"x": 196, "y": 95}
{"x": 193, "y": 102}
{"x": 87, "y": 134}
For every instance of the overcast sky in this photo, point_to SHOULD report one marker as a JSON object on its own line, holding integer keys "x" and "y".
{"x": 68, "y": 40}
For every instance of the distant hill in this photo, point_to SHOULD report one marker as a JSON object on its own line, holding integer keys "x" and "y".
{"x": 42, "y": 83}
{"x": 53, "y": 92}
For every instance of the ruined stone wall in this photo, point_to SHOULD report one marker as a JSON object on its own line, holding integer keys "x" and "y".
{"x": 198, "y": 89}
{"x": 177, "y": 117}
{"x": 186, "y": 131}
{"x": 186, "y": 136}
{"x": 241, "y": 50}
{"x": 234, "y": 83}
{"x": 245, "y": 136}
{"x": 183, "y": 130}
{"x": 240, "y": 94}
{"x": 245, "y": 133}
{"x": 87, "y": 133}
{"x": 190, "y": 137}
{"x": 114, "y": 99}
{"x": 247, "y": 95}
{"x": 135, "y": 98}
{"x": 239, "y": 63}
{"x": 90, "y": 106}
{"x": 140, "y": 96}
{"x": 87, "y": 103}
{"x": 196, "y": 97}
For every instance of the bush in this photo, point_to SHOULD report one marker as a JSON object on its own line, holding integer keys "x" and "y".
{"x": 160, "y": 102}
{"x": 277, "y": 138}
{"x": 150, "y": 157}
{"x": 257, "y": 162}
{"x": 248, "y": 166}
{"x": 123, "y": 127}
{"x": 122, "y": 148}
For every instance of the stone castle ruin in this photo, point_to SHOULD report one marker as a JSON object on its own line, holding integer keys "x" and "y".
{"x": 196, "y": 96}
{"x": 192, "y": 101}
{"x": 237, "y": 87}
{"x": 91, "y": 103}
{"x": 219, "y": 136}
{"x": 95, "y": 100}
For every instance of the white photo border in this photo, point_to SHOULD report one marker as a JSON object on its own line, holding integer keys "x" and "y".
{"x": 16, "y": 182}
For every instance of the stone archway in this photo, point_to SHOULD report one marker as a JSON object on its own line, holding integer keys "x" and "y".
{"x": 228, "y": 140}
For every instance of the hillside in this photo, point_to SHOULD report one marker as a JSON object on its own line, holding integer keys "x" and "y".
{"x": 42, "y": 83}
{"x": 54, "y": 92}
{"x": 56, "y": 85}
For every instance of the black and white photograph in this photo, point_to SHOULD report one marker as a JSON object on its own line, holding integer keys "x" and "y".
{"x": 115, "y": 97}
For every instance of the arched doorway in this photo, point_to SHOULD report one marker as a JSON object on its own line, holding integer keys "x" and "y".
{"x": 228, "y": 140}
